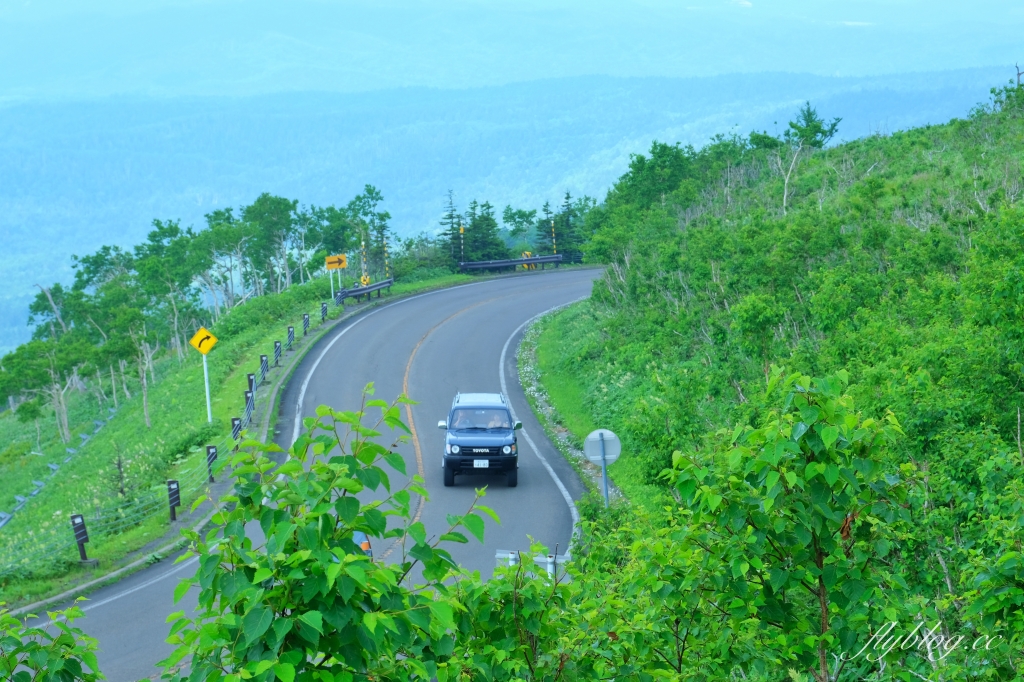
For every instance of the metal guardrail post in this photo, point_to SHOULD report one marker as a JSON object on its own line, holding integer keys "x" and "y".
{"x": 211, "y": 457}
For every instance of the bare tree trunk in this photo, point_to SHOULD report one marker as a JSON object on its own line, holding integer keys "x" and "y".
{"x": 177, "y": 341}
{"x": 785, "y": 186}
{"x": 53, "y": 306}
{"x": 124, "y": 380}
{"x": 141, "y": 358}
{"x": 55, "y": 393}
{"x": 113, "y": 386}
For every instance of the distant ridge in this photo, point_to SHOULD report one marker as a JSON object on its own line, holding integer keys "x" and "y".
{"x": 78, "y": 174}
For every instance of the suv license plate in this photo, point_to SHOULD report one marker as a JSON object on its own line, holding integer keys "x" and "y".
{"x": 481, "y": 463}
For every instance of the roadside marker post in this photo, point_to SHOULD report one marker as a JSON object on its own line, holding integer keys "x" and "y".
{"x": 264, "y": 368}
{"x": 236, "y": 428}
{"x": 305, "y": 323}
{"x": 204, "y": 341}
{"x": 602, "y": 447}
{"x": 277, "y": 353}
{"x": 81, "y": 534}
{"x": 173, "y": 498}
{"x": 252, "y": 382}
{"x": 291, "y": 337}
{"x": 332, "y": 263}
{"x": 323, "y": 313}
{"x": 211, "y": 457}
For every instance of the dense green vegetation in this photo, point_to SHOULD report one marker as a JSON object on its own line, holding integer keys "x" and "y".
{"x": 894, "y": 265}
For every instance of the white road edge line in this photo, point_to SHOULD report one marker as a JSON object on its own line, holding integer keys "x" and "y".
{"x": 533, "y": 446}
{"x": 93, "y": 605}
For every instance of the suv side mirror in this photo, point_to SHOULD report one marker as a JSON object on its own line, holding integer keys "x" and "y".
{"x": 442, "y": 425}
{"x": 517, "y": 425}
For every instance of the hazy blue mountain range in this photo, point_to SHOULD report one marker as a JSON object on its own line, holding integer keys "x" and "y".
{"x": 78, "y": 174}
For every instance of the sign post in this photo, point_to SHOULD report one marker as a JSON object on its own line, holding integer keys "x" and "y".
{"x": 204, "y": 341}
{"x": 332, "y": 263}
{"x": 602, "y": 447}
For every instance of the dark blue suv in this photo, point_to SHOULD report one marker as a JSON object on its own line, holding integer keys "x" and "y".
{"x": 480, "y": 437}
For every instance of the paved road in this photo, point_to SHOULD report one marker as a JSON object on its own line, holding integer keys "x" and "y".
{"x": 430, "y": 346}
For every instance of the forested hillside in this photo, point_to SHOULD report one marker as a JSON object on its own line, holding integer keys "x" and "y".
{"x": 810, "y": 513}
{"x": 75, "y": 174}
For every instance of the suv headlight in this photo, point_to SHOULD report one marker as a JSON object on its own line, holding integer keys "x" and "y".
{"x": 507, "y": 449}
{"x": 455, "y": 449}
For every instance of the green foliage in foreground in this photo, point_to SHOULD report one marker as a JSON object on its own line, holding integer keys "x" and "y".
{"x": 58, "y": 652}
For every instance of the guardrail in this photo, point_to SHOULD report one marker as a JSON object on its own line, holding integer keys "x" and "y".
{"x": 512, "y": 262}
{"x": 358, "y": 292}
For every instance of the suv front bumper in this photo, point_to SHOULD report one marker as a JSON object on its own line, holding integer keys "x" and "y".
{"x": 464, "y": 464}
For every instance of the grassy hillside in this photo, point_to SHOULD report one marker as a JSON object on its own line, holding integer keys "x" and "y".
{"x": 91, "y": 481}
{"x": 893, "y": 268}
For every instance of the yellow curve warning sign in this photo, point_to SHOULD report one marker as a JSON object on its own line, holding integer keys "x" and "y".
{"x": 339, "y": 262}
{"x": 203, "y": 341}
{"x": 365, "y": 280}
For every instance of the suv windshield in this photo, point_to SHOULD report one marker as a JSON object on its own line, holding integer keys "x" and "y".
{"x": 481, "y": 419}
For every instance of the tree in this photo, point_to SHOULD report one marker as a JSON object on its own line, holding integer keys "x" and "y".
{"x": 375, "y": 224}
{"x": 450, "y": 223}
{"x": 810, "y": 130}
{"x": 789, "y": 523}
{"x": 546, "y": 241}
{"x": 519, "y": 222}
{"x": 274, "y": 220}
{"x": 482, "y": 239}
{"x": 308, "y": 604}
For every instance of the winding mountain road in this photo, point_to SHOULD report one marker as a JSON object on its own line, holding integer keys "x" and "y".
{"x": 429, "y": 346}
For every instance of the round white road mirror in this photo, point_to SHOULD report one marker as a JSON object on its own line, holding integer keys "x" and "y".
{"x": 592, "y": 446}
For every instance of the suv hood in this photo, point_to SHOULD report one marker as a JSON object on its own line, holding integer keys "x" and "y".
{"x": 481, "y": 438}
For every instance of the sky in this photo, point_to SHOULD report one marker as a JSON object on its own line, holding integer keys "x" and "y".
{"x": 113, "y": 112}
{"x": 57, "y": 49}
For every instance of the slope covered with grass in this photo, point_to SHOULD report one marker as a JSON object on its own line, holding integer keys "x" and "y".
{"x": 891, "y": 267}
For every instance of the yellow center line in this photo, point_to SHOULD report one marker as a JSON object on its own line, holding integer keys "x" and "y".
{"x": 408, "y": 411}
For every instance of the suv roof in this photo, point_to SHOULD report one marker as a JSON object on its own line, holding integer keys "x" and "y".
{"x": 479, "y": 399}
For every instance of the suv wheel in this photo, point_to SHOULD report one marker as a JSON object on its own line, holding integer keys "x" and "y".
{"x": 513, "y": 478}
{"x": 449, "y": 477}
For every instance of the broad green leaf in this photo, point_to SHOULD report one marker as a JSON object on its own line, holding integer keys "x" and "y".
{"x": 261, "y": 575}
{"x": 831, "y": 474}
{"x": 285, "y": 672}
{"x": 314, "y": 620}
{"x": 256, "y": 622}
{"x": 475, "y": 525}
{"x": 442, "y": 613}
{"x": 829, "y": 434}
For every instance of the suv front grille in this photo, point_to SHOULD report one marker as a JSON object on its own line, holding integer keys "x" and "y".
{"x": 479, "y": 451}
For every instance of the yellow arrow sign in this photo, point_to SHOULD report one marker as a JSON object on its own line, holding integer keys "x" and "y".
{"x": 339, "y": 262}
{"x": 203, "y": 341}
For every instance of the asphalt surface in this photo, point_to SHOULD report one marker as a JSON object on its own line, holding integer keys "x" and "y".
{"x": 429, "y": 346}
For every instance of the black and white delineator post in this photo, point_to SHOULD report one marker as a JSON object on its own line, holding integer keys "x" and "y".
{"x": 81, "y": 534}
{"x": 173, "y": 498}
{"x": 211, "y": 457}
{"x": 602, "y": 447}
